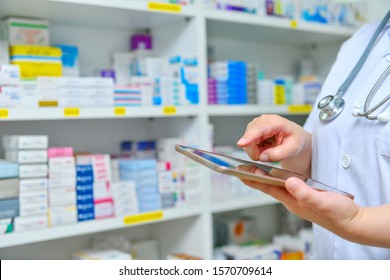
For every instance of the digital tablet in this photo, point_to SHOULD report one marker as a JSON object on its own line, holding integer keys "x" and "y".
{"x": 249, "y": 170}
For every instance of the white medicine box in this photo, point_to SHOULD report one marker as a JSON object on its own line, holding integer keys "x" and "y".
{"x": 21, "y": 31}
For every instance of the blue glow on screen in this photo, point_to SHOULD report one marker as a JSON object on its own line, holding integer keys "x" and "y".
{"x": 214, "y": 159}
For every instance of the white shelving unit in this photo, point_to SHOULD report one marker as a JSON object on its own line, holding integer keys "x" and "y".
{"x": 273, "y": 42}
{"x": 29, "y": 114}
{"x": 90, "y": 227}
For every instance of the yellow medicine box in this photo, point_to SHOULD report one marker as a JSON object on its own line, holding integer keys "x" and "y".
{"x": 37, "y": 60}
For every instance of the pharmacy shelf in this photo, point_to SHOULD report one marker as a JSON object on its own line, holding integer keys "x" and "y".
{"x": 242, "y": 202}
{"x": 30, "y": 114}
{"x": 89, "y": 227}
{"x": 267, "y": 28}
{"x": 255, "y": 110}
{"x": 119, "y": 14}
{"x": 137, "y": 5}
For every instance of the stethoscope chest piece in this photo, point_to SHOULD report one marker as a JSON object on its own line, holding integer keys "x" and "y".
{"x": 330, "y": 107}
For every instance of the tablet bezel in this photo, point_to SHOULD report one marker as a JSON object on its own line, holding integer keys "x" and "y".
{"x": 251, "y": 176}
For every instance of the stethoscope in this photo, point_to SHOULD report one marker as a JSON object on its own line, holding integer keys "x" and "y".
{"x": 332, "y": 105}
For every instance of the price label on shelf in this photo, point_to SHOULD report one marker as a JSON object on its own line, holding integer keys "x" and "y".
{"x": 300, "y": 109}
{"x": 294, "y": 24}
{"x": 169, "y": 110}
{"x": 120, "y": 111}
{"x": 72, "y": 112}
{"x": 143, "y": 218}
{"x": 164, "y": 7}
{"x": 3, "y": 113}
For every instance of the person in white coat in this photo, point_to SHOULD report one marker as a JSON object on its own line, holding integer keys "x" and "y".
{"x": 343, "y": 144}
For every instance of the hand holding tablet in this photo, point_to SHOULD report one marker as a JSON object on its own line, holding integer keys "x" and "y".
{"x": 251, "y": 171}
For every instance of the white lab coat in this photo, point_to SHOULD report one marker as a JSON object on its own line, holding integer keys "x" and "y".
{"x": 353, "y": 154}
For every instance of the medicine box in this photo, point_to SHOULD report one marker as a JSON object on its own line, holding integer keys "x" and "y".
{"x": 33, "y": 197}
{"x": 20, "y": 31}
{"x": 10, "y": 96}
{"x": 62, "y": 196}
{"x": 28, "y": 94}
{"x": 70, "y": 60}
{"x": 8, "y": 169}
{"x": 37, "y": 61}
{"x": 26, "y": 156}
{"x": 9, "y": 188}
{"x": 9, "y": 208}
{"x": 62, "y": 182}
{"x": 33, "y": 209}
{"x": 32, "y": 170}
{"x": 38, "y": 184}
{"x": 61, "y": 152}
{"x": 85, "y": 216}
{"x": 9, "y": 74}
{"x": 104, "y": 209}
{"x": 67, "y": 162}
{"x": 62, "y": 215}
{"x": 30, "y": 222}
{"x": 25, "y": 141}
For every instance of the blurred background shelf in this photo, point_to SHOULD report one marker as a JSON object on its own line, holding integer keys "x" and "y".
{"x": 96, "y": 226}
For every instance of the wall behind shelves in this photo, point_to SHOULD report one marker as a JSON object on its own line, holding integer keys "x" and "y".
{"x": 228, "y": 130}
{"x": 96, "y": 45}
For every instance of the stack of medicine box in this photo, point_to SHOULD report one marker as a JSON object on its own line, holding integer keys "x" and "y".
{"x": 30, "y": 152}
{"x": 85, "y": 91}
{"x": 10, "y": 91}
{"x": 37, "y": 61}
{"x": 146, "y": 86}
{"x": 102, "y": 197}
{"x": 144, "y": 173}
{"x": 125, "y": 198}
{"x": 46, "y": 91}
{"x": 251, "y": 79}
{"x": 124, "y": 192}
{"x": 168, "y": 92}
{"x": 166, "y": 184}
{"x": 179, "y": 83}
{"x": 185, "y": 174}
{"x": 9, "y": 195}
{"x": 127, "y": 96}
{"x": 190, "y": 78}
{"x": 265, "y": 92}
{"x": 84, "y": 191}
{"x": 212, "y": 90}
{"x": 62, "y": 186}
{"x": 29, "y": 47}
{"x": 231, "y": 85}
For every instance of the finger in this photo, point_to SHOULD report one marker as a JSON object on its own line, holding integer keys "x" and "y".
{"x": 278, "y": 153}
{"x": 304, "y": 194}
{"x": 252, "y": 151}
{"x": 256, "y": 130}
{"x": 279, "y": 193}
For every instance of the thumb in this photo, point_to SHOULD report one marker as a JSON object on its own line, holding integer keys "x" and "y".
{"x": 302, "y": 192}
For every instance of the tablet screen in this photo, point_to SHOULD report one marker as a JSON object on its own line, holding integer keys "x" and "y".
{"x": 249, "y": 170}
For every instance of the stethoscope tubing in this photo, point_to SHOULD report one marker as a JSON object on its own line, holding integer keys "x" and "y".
{"x": 377, "y": 84}
{"x": 331, "y": 106}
